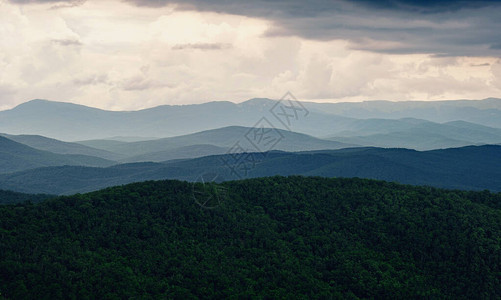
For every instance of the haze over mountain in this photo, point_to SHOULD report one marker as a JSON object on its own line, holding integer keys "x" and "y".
{"x": 216, "y": 141}
{"x": 473, "y": 167}
{"x": 421, "y": 135}
{"x": 60, "y": 147}
{"x": 71, "y": 122}
{"x": 485, "y": 112}
{"x": 205, "y": 184}
{"x": 16, "y": 157}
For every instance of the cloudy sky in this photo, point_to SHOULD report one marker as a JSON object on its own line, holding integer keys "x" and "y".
{"x": 131, "y": 54}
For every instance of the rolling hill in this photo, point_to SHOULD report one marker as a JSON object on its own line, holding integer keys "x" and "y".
{"x": 182, "y": 152}
{"x": 9, "y": 197}
{"x": 17, "y": 157}
{"x": 468, "y": 168}
{"x": 422, "y": 135}
{"x": 71, "y": 122}
{"x": 60, "y": 147}
{"x": 264, "y": 238}
{"x": 486, "y": 112}
{"x": 216, "y": 141}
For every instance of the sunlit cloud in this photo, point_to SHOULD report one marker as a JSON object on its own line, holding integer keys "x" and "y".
{"x": 129, "y": 55}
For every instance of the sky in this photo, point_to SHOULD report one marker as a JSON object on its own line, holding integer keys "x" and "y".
{"x": 134, "y": 54}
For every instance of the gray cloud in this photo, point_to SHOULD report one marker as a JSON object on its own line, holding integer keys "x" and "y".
{"x": 441, "y": 27}
{"x": 67, "y": 4}
{"x": 140, "y": 83}
{"x": 426, "y": 6}
{"x": 92, "y": 80}
{"x": 45, "y": 1}
{"x": 480, "y": 65}
{"x": 57, "y": 3}
{"x": 203, "y": 46}
{"x": 66, "y": 42}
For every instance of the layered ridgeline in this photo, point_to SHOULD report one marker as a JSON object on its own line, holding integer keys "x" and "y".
{"x": 468, "y": 168}
{"x": 72, "y": 122}
{"x": 59, "y": 147}
{"x": 15, "y": 156}
{"x": 273, "y": 237}
{"x": 28, "y": 152}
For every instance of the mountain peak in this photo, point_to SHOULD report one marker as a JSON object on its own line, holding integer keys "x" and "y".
{"x": 41, "y": 104}
{"x": 258, "y": 102}
{"x": 34, "y": 102}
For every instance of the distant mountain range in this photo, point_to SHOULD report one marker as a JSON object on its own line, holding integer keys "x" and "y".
{"x": 473, "y": 167}
{"x": 420, "y": 135}
{"x": 485, "y": 112}
{"x": 71, "y": 122}
{"x": 22, "y": 152}
{"x": 110, "y": 148}
{"x": 216, "y": 141}
{"x": 16, "y": 157}
{"x": 56, "y": 146}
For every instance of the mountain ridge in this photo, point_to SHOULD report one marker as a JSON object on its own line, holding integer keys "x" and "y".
{"x": 72, "y": 122}
{"x": 467, "y": 168}
{"x": 15, "y": 156}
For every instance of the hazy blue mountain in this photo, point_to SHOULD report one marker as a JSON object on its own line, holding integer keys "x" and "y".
{"x": 129, "y": 139}
{"x": 190, "y": 151}
{"x": 71, "y": 122}
{"x": 234, "y": 137}
{"x": 60, "y": 147}
{"x": 104, "y": 144}
{"x": 16, "y": 157}
{"x": 425, "y": 135}
{"x": 473, "y": 167}
{"x": 485, "y": 112}
{"x": 376, "y": 126}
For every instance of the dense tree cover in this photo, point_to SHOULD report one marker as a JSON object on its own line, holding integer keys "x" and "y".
{"x": 9, "y": 197}
{"x": 277, "y": 237}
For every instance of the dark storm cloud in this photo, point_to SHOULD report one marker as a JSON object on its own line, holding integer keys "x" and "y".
{"x": 440, "y": 27}
{"x": 426, "y": 6}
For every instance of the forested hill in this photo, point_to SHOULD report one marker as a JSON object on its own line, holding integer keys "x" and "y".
{"x": 9, "y": 197}
{"x": 278, "y": 237}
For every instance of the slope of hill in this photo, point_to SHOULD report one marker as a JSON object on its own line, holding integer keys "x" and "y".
{"x": 9, "y": 197}
{"x": 283, "y": 238}
{"x": 475, "y": 168}
{"x": 486, "y": 112}
{"x": 183, "y": 152}
{"x": 16, "y": 157}
{"x": 60, "y": 147}
{"x": 244, "y": 138}
{"x": 422, "y": 135}
{"x": 72, "y": 122}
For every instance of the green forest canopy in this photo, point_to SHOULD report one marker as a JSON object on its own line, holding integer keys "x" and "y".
{"x": 278, "y": 237}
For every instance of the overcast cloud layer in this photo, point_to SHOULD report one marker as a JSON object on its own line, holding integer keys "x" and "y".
{"x": 137, "y": 53}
